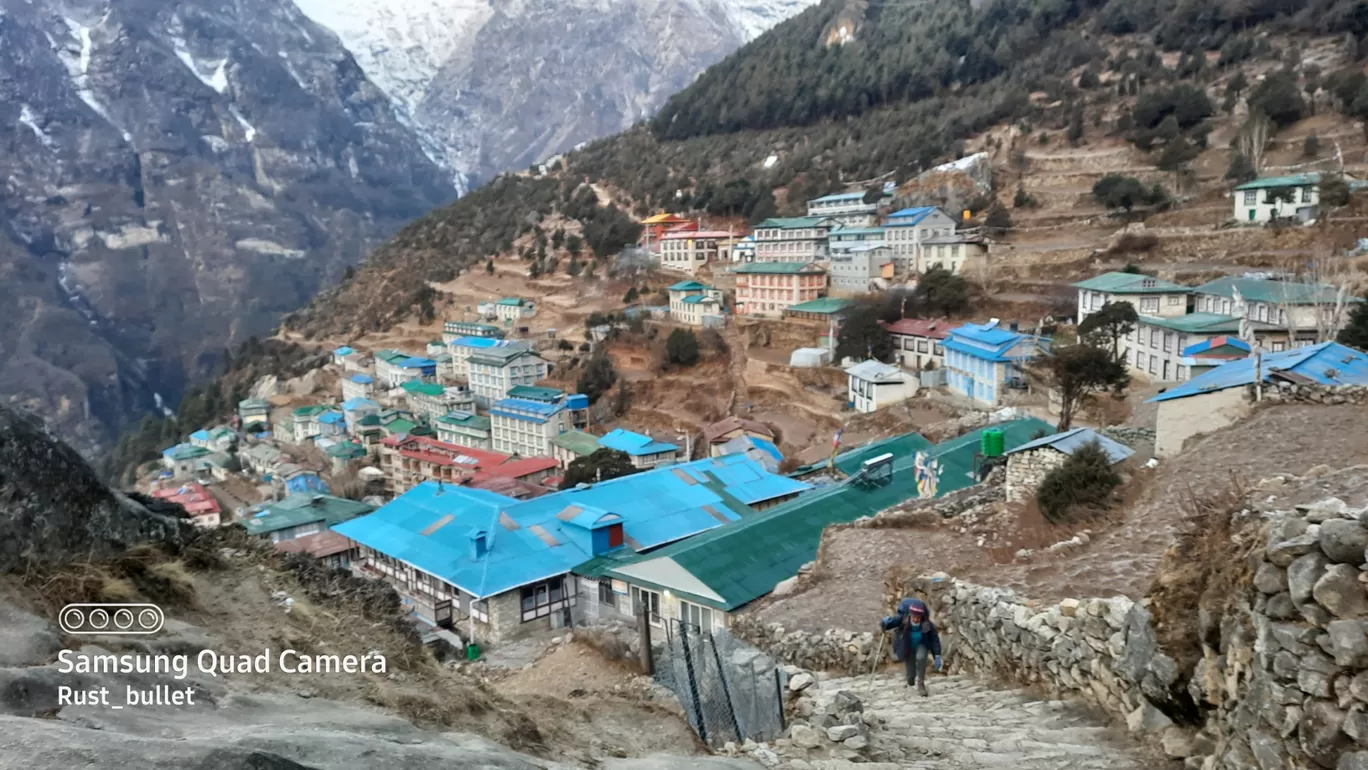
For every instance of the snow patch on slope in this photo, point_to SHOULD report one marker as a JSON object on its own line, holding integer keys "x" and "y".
{"x": 30, "y": 118}
{"x": 754, "y": 17}
{"x": 247, "y": 128}
{"x": 399, "y": 44}
{"x": 217, "y": 77}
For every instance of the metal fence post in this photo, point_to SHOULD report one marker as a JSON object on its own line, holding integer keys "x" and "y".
{"x": 644, "y": 637}
{"x": 693, "y": 682}
{"x": 779, "y": 696}
{"x": 726, "y": 691}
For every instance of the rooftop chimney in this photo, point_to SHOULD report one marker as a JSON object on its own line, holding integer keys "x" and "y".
{"x": 479, "y": 544}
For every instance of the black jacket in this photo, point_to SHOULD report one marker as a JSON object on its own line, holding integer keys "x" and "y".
{"x": 902, "y": 649}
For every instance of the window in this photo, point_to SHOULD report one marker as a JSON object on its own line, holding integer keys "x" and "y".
{"x": 1168, "y": 342}
{"x": 697, "y": 616}
{"x": 1251, "y": 197}
{"x": 605, "y": 594}
{"x": 1262, "y": 312}
{"x": 1149, "y": 304}
{"x": 1152, "y": 364}
{"x": 1174, "y": 299}
{"x": 540, "y": 600}
{"x": 1279, "y": 346}
{"x": 1154, "y": 338}
{"x": 1306, "y": 195}
{"x": 649, "y": 601}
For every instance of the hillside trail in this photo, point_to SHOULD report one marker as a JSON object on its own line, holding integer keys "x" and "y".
{"x": 737, "y": 349}
{"x": 967, "y": 724}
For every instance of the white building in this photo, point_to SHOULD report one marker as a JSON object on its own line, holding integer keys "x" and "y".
{"x": 1300, "y": 308}
{"x": 525, "y": 427}
{"x": 907, "y": 231}
{"x": 920, "y": 343}
{"x": 686, "y": 251}
{"x": 690, "y": 301}
{"x": 461, "y": 349}
{"x": 357, "y": 386}
{"x": 495, "y": 371}
{"x": 1148, "y": 295}
{"x": 1254, "y": 202}
{"x": 464, "y": 428}
{"x": 514, "y": 309}
{"x": 792, "y": 239}
{"x": 873, "y": 385}
{"x": 846, "y": 209}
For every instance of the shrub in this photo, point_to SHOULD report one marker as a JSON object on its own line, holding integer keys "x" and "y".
{"x": 681, "y": 347}
{"x": 565, "y": 345}
{"x": 598, "y": 377}
{"x": 1084, "y": 483}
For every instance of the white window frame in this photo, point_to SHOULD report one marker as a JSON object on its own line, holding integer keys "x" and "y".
{"x": 695, "y": 614}
{"x": 652, "y": 604}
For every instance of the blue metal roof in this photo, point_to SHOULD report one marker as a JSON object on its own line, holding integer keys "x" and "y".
{"x": 635, "y": 444}
{"x": 525, "y": 409}
{"x": 850, "y": 196}
{"x": 352, "y": 404}
{"x": 430, "y": 526}
{"x": 478, "y": 342}
{"x": 362, "y": 379}
{"x": 1328, "y": 363}
{"x": 985, "y": 341}
{"x": 767, "y": 447}
{"x": 1212, "y": 343}
{"x": 417, "y": 362}
{"x": 331, "y": 417}
{"x": 343, "y": 351}
{"x": 200, "y": 435}
{"x": 1071, "y": 440}
{"x": 909, "y": 217}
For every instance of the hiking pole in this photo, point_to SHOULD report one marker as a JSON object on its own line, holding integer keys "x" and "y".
{"x": 878, "y": 656}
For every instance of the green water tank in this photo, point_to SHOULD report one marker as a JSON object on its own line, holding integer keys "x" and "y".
{"x": 472, "y": 651}
{"x": 992, "y": 442}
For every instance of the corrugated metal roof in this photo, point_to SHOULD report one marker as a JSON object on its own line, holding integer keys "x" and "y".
{"x": 576, "y": 441}
{"x": 850, "y": 196}
{"x": 778, "y": 268}
{"x": 1130, "y": 283}
{"x": 635, "y": 444}
{"x": 1281, "y": 292}
{"x": 823, "y": 306}
{"x": 876, "y": 372}
{"x": 687, "y": 286}
{"x": 304, "y": 508}
{"x": 1071, "y": 440}
{"x": 919, "y": 327}
{"x": 1328, "y": 363}
{"x": 744, "y": 560}
{"x": 1234, "y": 344}
{"x": 909, "y": 217}
{"x": 1293, "y": 180}
{"x": 792, "y": 223}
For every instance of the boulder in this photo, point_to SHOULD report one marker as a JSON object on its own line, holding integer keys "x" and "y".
{"x": 1176, "y": 742}
{"x": 1303, "y": 573}
{"x": 1147, "y": 719}
{"x": 805, "y": 736}
{"x": 1358, "y": 760}
{"x": 856, "y": 742}
{"x": 1320, "y": 732}
{"x": 841, "y": 732}
{"x": 1344, "y": 541}
{"x": 846, "y": 701}
{"x": 1356, "y": 725}
{"x": 1348, "y": 642}
{"x": 800, "y": 681}
{"x": 1270, "y": 578}
{"x": 1283, "y": 553}
{"x": 785, "y": 587}
{"x": 1339, "y": 591}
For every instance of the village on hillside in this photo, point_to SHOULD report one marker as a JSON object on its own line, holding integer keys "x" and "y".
{"x": 503, "y": 505}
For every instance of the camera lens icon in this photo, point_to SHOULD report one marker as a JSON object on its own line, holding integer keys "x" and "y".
{"x": 110, "y": 619}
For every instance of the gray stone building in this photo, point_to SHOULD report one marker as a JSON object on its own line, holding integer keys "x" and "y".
{"x": 1030, "y": 463}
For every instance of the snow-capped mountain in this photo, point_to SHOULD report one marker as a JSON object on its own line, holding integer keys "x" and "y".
{"x": 498, "y": 84}
{"x": 174, "y": 176}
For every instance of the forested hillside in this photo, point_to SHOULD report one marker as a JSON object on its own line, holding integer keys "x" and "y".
{"x": 859, "y": 92}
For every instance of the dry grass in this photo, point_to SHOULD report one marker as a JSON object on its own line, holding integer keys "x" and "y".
{"x": 1200, "y": 573}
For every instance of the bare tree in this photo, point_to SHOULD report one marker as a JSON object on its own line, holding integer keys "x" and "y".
{"x": 1252, "y": 139}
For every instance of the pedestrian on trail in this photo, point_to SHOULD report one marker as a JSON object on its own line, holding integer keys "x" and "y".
{"x": 914, "y": 639}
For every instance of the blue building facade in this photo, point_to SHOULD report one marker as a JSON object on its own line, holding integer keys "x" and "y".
{"x": 980, "y": 359}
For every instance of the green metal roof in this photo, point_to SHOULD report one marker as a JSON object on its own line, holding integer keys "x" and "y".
{"x": 792, "y": 223}
{"x": 254, "y": 403}
{"x": 534, "y": 393}
{"x": 825, "y": 306}
{"x": 473, "y": 421}
{"x": 1130, "y": 283}
{"x": 1196, "y": 323}
{"x": 1295, "y": 180}
{"x": 309, "y": 411}
{"x": 788, "y": 268}
{"x": 511, "y": 301}
{"x": 500, "y": 356}
{"x": 688, "y": 286}
{"x": 304, "y": 508}
{"x": 346, "y": 450}
{"x": 395, "y": 427}
{"x": 420, "y": 388}
{"x": 1280, "y": 292}
{"x": 743, "y": 561}
{"x": 698, "y": 299}
{"x": 577, "y": 441}
{"x": 837, "y": 233}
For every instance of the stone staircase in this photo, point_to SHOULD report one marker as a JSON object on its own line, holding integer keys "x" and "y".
{"x": 858, "y": 724}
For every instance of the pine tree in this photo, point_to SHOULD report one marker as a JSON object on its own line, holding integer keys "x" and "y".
{"x": 1355, "y": 332}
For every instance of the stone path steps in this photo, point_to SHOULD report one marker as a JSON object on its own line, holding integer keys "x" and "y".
{"x": 967, "y": 725}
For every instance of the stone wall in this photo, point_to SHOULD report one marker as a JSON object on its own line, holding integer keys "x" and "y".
{"x": 1026, "y": 471}
{"x": 1316, "y": 394}
{"x": 848, "y": 652}
{"x": 1130, "y": 436}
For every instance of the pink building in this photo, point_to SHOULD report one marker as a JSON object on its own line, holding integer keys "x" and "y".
{"x": 767, "y": 288}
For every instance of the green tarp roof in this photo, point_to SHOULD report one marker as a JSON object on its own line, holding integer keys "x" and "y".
{"x": 744, "y": 560}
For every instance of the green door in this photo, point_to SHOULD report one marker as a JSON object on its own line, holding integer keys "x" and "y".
{"x": 1251, "y": 215}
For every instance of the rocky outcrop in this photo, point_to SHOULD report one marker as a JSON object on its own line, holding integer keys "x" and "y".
{"x": 176, "y": 176}
{"x": 848, "y": 652}
{"x": 54, "y": 510}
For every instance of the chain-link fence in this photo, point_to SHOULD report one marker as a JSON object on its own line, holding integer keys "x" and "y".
{"x": 730, "y": 690}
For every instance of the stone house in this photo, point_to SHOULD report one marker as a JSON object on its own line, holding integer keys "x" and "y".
{"x": 572, "y": 445}
{"x": 873, "y": 385}
{"x": 1252, "y": 202}
{"x": 181, "y": 459}
{"x": 1030, "y": 463}
{"x": 1220, "y": 397}
{"x": 261, "y": 458}
{"x": 1298, "y": 308}
{"x": 726, "y": 429}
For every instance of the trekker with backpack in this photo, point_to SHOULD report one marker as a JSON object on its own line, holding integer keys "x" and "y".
{"x": 914, "y": 638}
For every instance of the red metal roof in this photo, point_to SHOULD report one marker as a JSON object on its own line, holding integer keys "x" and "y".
{"x": 193, "y": 497}
{"x": 518, "y": 490}
{"x": 516, "y": 469}
{"x": 937, "y": 329}
{"x": 317, "y": 545}
{"x": 428, "y": 449}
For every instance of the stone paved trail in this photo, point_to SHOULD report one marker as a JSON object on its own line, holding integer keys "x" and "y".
{"x": 965, "y": 724}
